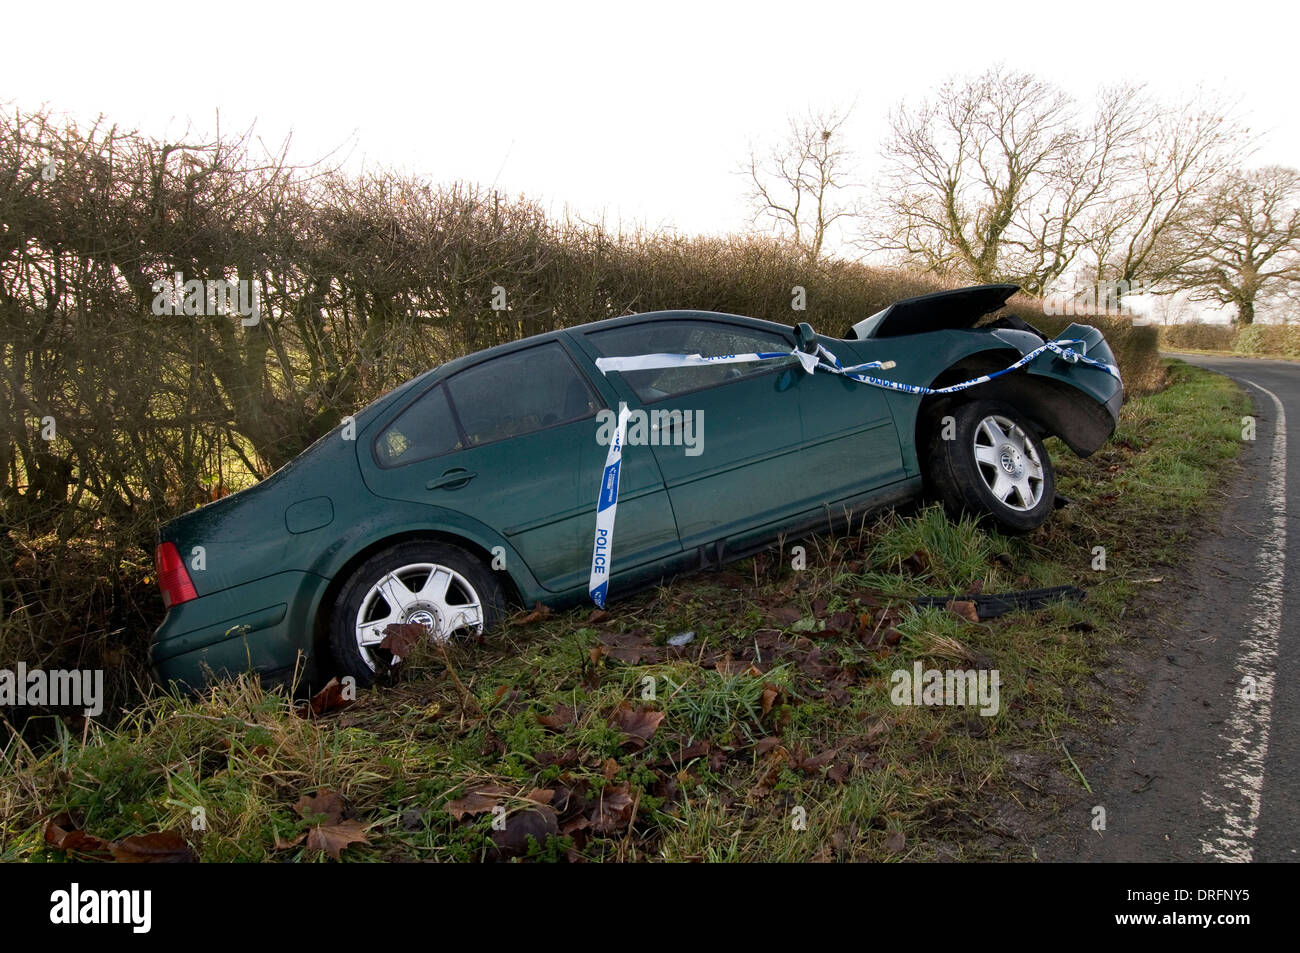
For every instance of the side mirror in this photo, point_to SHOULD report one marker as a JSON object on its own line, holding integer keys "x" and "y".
{"x": 805, "y": 337}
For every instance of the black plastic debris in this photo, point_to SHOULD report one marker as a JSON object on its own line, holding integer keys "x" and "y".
{"x": 990, "y": 606}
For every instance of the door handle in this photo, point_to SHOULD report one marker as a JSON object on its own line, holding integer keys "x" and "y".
{"x": 670, "y": 424}
{"x": 453, "y": 479}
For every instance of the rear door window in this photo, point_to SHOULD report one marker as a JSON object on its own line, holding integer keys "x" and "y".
{"x": 423, "y": 430}
{"x": 520, "y": 393}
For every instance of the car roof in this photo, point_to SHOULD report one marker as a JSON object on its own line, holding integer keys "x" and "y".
{"x": 450, "y": 367}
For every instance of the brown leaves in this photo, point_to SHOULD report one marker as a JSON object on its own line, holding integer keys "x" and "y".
{"x": 160, "y": 847}
{"x": 726, "y": 665}
{"x": 917, "y": 564}
{"x": 536, "y": 823}
{"x": 333, "y": 838}
{"x": 330, "y": 833}
{"x": 62, "y": 833}
{"x": 965, "y": 609}
{"x": 639, "y": 724}
{"x": 401, "y": 638}
{"x": 614, "y": 810}
{"x": 324, "y": 803}
{"x": 631, "y": 647}
{"x": 785, "y": 615}
{"x": 478, "y": 801}
{"x": 539, "y": 613}
{"x": 561, "y": 717}
{"x": 333, "y": 697}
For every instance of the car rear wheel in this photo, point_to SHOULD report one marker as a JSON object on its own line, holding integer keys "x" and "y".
{"x": 437, "y": 585}
{"x": 993, "y": 465}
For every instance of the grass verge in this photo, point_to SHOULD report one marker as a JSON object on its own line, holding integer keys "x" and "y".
{"x": 769, "y": 735}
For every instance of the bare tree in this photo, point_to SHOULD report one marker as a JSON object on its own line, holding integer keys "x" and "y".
{"x": 1136, "y": 238}
{"x": 799, "y": 188}
{"x": 997, "y": 178}
{"x": 1246, "y": 230}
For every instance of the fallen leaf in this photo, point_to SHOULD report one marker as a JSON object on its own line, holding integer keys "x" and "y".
{"x": 639, "y": 724}
{"x": 479, "y": 801}
{"x": 578, "y": 823}
{"x": 331, "y": 697}
{"x": 539, "y": 613}
{"x": 631, "y": 647}
{"x": 162, "y": 847}
{"x": 786, "y": 615}
{"x": 282, "y": 844}
{"x": 62, "y": 833}
{"x": 613, "y": 810}
{"x": 401, "y": 638}
{"x": 877, "y": 728}
{"x": 560, "y": 717}
{"x": 538, "y": 823}
{"x": 324, "y": 803}
{"x": 965, "y": 609}
{"x": 729, "y": 666}
{"x": 333, "y": 838}
{"x": 814, "y": 764}
{"x": 840, "y": 622}
{"x": 597, "y": 617}
{"x": 917, "y": 563}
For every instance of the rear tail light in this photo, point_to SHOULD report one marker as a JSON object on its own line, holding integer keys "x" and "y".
{"x": 172, "y": 578}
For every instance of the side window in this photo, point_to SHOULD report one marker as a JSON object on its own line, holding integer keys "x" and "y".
{"x": 709, "y": 338}
{"x": 425, "y": 429}
{"x": 520, "y": 393}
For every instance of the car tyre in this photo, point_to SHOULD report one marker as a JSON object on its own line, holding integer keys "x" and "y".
{"x": 994, "y": 467}
{"x": 436, "y": 584}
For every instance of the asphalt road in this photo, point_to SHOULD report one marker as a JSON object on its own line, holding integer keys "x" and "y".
{"x": 1209, "y": 767}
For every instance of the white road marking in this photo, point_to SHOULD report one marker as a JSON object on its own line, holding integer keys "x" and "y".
{"x": 1237, "y": 796}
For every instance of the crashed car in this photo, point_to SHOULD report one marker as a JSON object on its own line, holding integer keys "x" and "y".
{"x": 476, "y": 484}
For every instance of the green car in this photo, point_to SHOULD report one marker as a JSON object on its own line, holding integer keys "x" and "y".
{"x": 475, "y": 485}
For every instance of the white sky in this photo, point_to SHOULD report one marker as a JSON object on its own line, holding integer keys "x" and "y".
{"x": 642, "y": 112}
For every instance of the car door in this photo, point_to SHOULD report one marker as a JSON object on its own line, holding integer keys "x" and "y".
{"x": 743, "y": 475}
{"x": 512, "y": 443}
{"x": 850, "y": 443}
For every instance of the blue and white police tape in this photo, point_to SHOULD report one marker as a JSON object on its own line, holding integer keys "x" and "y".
{"x": 830, "y": 362}
{"x": 606, "y": 507}
{"x": 822, "y": 360}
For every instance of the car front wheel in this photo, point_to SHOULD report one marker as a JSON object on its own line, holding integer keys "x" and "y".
{"x": 437, "y": 585}
{"x": 988, "y": 460}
